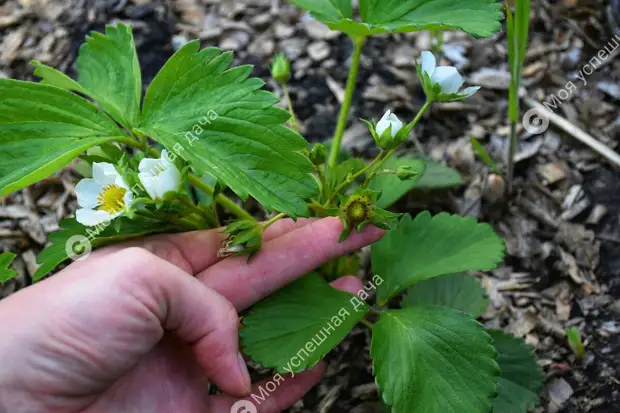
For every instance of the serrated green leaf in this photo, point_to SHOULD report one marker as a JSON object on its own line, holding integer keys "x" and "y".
{"x": 460, "y": 292}
{"x": 223, "y": 124}
{"x": 51, "y": 76}
{"x": 301, "y": 313}
{"x": 430, "y": 359}
{"x": 437, "y": 175}
{"x": 430, "y": 246}
{"x": 42, "y": 129}
{"x": 6, "y": 273}
{"x": 327, "y": 10}
{"x": 109, "y": 72}
{"x": 77, "y": 240}
{"x": 521, "y": 376}
{"x": 479, "y": 18}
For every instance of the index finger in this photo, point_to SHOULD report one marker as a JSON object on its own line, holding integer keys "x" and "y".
{"x": 283, "y": 260}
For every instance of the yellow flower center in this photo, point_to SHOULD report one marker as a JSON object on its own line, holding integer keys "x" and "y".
{"x": 112, "y": 199}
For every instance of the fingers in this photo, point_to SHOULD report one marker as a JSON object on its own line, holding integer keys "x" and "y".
{"x": 349, "y": 284}
{"x": 281, "y": 394}
{"x": 197, "y": 314}
{"x": 282, "y": 260}
{"x": 194, "y": 251}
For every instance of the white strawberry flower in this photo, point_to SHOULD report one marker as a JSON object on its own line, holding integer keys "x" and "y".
{"x": 389, "y": 120}
{"x": 442, "y": 82}
{"x": 103, "y": 197}
{"x": 159, "y": 176}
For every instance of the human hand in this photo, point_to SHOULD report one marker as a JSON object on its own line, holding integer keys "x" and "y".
{"x": 130, "y": 330}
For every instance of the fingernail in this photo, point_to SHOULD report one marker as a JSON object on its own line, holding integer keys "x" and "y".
{"x": 245, "y": 374}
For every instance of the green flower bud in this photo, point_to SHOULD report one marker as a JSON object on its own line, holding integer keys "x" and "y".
{"x": 318, "y": 153}
{"x": 281, "y": 68}
{"x": 406, "y": 172}
{"x": 244, "y": 237}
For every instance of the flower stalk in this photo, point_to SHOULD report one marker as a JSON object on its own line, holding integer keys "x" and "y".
{"x": 358, "y": 46}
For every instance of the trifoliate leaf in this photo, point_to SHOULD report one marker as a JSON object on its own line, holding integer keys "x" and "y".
{"x": 521, "y": 376}
{"x": 223, "y": 124}
{"x": 51, "y": 76}
{"x": 76, "y": 241}
{"x": 430, "y": 359}
{"x": 293, "y": 321}
{"x": 42, "y": 129}
{"x": 479, "y": 18}
{"x": 434, "y": 175}
{"x": 460, "y": 292}
{"x": 6, "y": 273}
{"x": 430, "y": 246}
{"x": 109, "y": 72}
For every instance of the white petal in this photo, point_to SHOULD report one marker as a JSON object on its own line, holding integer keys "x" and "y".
{"x": 104, "y": 173}
{"x": 149, "y": 183}
{"x": 91, "y": 217}
{"x": 397, "y": 125}
{"x": 448, "y": 78}
{"x": 169, "y": 180}
{"x": 87, "y": 191}
{"x": 149, "y": 166}
{"x": 128, "y": 199}
{"x": 428, "y": 63}
{"x": 468, "y": 91}
{"x": 165, "y": 157}
{"x": 382, "y": 126}
{"x": 119, "y": 181}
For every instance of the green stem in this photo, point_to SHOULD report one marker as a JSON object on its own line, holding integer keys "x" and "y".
{"x": 128, "y": 141}
{"x": 358, "y": 44}
{"x": 512, "y": 151}
{"x": 293, "y": 121}
{"x": 353, "y": 177}
{"x": 221, "y": 199}
{"x": 366, "y": 323}
{"x": 274, "y": 219}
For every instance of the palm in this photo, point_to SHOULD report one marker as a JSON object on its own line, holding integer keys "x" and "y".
{"x": 167, "y": 379}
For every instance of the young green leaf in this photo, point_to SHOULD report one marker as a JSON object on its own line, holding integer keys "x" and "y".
{"x": 42, "y": 129}
{"x": 573, "y": 335}
{"x": 292, "y": 322}
{"x": 477, "y": 17}
{"x": 428, "y": 247}
{"x": 76, "y": 241}
{"x": 434, "y": 175}
{"x": 51, "y": 76}
{"x": 109, "y": 72}
{"x": 6, "y": 273}
{"x": 521, "y": 377}
{"x": 223, "y": 124}
{"x": 461, "y": 292}
{"x": 430, "y": 359}
{"x": 484, "y": 155}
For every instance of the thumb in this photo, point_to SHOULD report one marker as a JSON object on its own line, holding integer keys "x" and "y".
{"x": 197, "y": 315}
{"x": 118, "y": 308}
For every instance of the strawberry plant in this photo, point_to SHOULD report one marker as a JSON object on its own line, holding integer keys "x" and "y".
{"x": 205, "y": 133}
